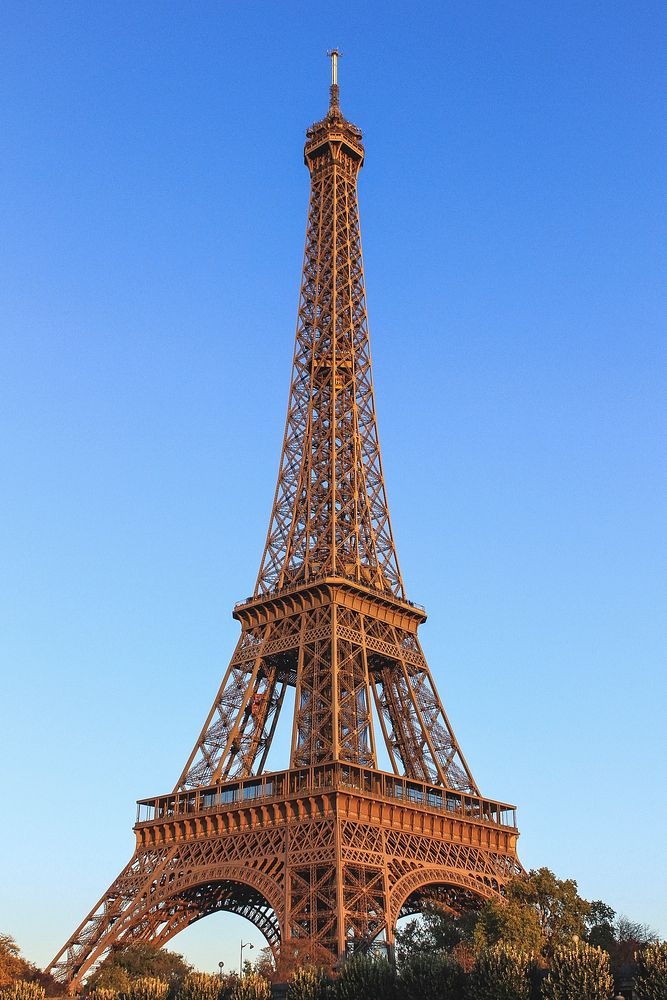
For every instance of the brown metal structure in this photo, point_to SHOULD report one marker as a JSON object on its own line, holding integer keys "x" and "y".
{"x": 332, "y": 849}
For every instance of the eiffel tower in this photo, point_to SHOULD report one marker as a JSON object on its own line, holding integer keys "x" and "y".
{"x": 332, "y": 850}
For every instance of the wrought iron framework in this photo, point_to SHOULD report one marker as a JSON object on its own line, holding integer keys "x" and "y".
{"x": 333, "y": 849}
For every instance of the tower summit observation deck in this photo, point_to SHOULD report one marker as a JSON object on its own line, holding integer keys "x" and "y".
{"x": 331, "y": 850}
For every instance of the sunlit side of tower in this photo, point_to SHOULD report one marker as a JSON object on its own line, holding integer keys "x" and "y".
{"x": 331, "y": 850}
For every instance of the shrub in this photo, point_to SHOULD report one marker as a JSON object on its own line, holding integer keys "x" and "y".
{"x": 147, "y": 988}
{"x": 579, "y": 973}
{"x": 500, "y": 973}
{"x": 430, "y": 977}
{"x": 103, "y": 993}
{"x": 364, "y": 978}
{"x": 199, "y": 986}
{"x": 651, "y": 972}
{"x": 252, "y": 987}
{"x": 20, "y": 989}
{"x": 308, "y": 983}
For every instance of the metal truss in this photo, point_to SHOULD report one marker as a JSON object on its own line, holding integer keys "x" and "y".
{"x": 332, "y": 854}
{"x": 343, "y": 648}
{"x": 332, "y": 850}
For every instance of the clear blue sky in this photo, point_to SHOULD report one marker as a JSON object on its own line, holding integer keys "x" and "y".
{"x": 153, "y": 212}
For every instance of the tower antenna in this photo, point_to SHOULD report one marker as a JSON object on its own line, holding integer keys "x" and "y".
{"x": 334, "y": 55}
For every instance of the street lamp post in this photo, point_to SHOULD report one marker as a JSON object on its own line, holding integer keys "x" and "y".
{"x": 246, "y": 944}
{"x": 221, "y": 966}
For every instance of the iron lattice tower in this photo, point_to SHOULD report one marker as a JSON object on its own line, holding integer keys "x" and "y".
{"x": 333, "y": 849}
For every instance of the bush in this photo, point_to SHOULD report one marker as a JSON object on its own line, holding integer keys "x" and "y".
{"x": 364, "y": 978}
{"x": 126, "y": 963}
{"x": 500, "y": 973}
{"x": 651, "y": 972}
{"x": 200, "y": 986}
{"x": 308, "y": 983}
{"x": 430, "y": 977}
{"x": 103, "y": 993}
{"x": 20, "y": 989}
{"x": 579, "y": 973}
{"x": 252, "y": 987}
{"x": 147, "y": 988}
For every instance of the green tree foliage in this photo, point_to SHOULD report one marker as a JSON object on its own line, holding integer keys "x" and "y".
{"x": 252, "y": 987}
{"x": 510, "y": 922}
{"x": 538, "y": 914}
{"x": 200, "y": 986}
{"x": 561, "y": 912}
{"x": 364, "y": 977}
{"x": 21, "y": 989}
{"x": 651, "y": 972}
{"x": 125, "y": 964}
{"x": 500, "y": 973}
{"x": 600, "y": 930}
{"x": 437, "y": 929}
{"x": 578, "y": 972}
{"x": 437, "y": 976}
{"x": 308, "y": 983}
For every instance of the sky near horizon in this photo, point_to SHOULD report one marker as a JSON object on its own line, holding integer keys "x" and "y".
{"x": 153, "y": 213}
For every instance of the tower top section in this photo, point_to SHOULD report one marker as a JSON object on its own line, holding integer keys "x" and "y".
{"x": 334, "y": 55}
{"x": 334, "y": 132}
{"x": 330, "y": 518}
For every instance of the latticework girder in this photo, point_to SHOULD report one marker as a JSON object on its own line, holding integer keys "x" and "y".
{"x": 332, "y": 850}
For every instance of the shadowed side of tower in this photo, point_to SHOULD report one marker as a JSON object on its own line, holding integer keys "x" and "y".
{"x": 332, "y": 849}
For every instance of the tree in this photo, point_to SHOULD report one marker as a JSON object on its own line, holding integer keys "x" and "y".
{"x": 265, "y": 964}
{"x": 538, "y": 914}
{"x": 437, "y": 929}
{"x": 510, "y": 922}
{"x": 630, "y": 938}
{"x": 12, "y": 966}
{"x": 622, "y": 939}
{"x": 126, "y": 963}
{"x": 578, "y": 972}
{"x": 561, "y": 912}
{"x": 651, "y": 972}
{"x": 600, "y": 925}
{"x": 500, "y": 973}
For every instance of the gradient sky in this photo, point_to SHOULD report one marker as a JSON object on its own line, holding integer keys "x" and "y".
{"x": 153, "y": 213}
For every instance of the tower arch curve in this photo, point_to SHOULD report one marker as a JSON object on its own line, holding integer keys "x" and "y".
{"x": 175, "y": 903}
{"x": 456, "y": 890}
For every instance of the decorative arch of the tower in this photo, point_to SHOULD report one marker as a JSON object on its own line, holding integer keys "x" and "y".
{"x": 332, "y": 849}
{"x": 448, "y": 887}
{"x": 171, "y": 900}
{"x": 221, "y": 891}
